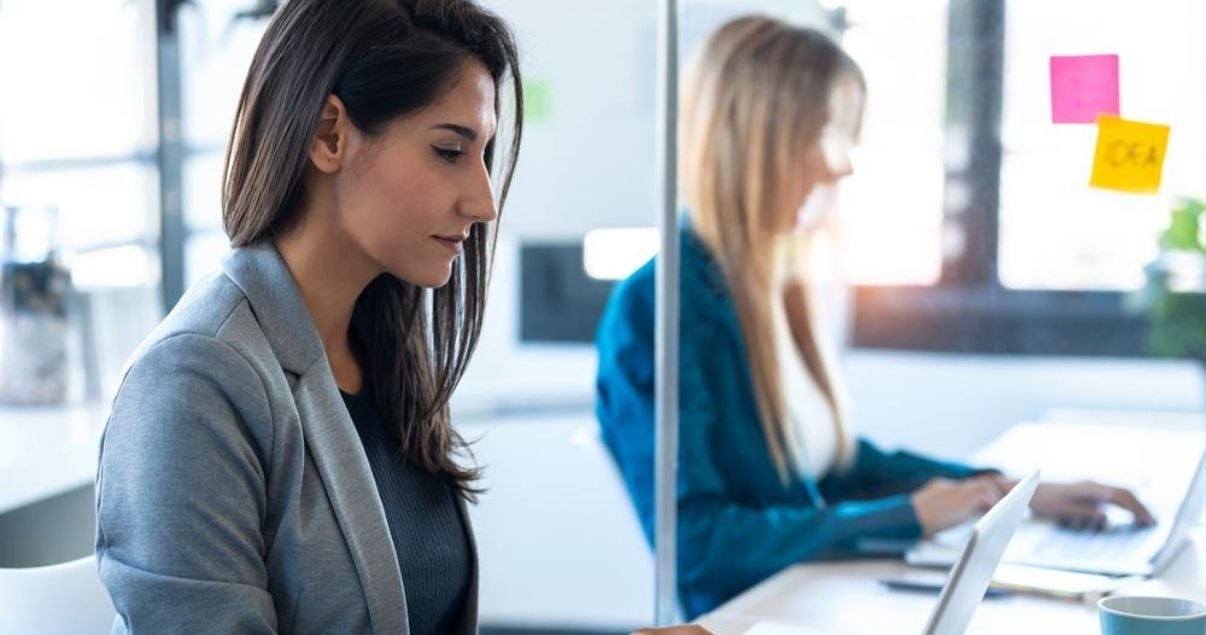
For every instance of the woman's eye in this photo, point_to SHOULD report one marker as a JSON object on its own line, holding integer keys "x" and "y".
{"x": 448, "y": 155}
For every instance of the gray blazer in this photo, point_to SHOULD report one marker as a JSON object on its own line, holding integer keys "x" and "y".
{"x": 233, "y": 494}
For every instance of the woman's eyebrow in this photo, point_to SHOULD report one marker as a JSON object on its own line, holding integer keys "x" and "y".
{"x": 468, "y": 133}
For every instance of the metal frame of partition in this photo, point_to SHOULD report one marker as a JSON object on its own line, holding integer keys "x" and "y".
{"x": 170, "y": 159}
{"x": 667, "y": 323}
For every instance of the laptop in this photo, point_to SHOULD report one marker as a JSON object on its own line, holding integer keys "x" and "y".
{"x": 969, "y": 578}
{"x": 1120, "y": 550}
{"x": 972, "y": 572}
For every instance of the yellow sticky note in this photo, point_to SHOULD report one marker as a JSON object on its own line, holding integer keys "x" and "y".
{"x": 1130, "y": 155}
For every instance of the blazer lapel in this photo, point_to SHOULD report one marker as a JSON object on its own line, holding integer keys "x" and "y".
{"x": 341, "y": 462}
{"x": 328, "y": 430}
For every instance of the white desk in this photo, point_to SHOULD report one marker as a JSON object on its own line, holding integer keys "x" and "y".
{"x": 847, "y": 598}
{"x": 47, "y": 451}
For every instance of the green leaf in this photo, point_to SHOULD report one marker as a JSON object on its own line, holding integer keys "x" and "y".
{"x": 1182, "y": 232}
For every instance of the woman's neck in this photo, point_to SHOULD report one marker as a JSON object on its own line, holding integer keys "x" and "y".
{"x": 331, "y": 272}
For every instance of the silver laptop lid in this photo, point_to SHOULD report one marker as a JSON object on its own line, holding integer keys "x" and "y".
{"x": 969, "y": 578}
{"x": 1187, "y": 516}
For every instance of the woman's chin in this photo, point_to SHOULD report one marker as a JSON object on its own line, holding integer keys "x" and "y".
{"x": 434, "y": 278}
{"x": 429, "y": 273}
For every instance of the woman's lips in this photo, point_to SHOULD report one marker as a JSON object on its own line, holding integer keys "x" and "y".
{"x": 455, "y": 244}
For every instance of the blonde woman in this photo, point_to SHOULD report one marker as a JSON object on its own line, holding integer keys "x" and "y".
{"x": 770, "y": 472}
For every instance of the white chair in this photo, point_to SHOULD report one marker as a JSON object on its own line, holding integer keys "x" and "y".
{"x": 60, "y": 599}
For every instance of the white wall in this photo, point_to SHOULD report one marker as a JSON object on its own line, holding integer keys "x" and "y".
{"x": 953, "y": 404}
{"x": 590, "y": 163}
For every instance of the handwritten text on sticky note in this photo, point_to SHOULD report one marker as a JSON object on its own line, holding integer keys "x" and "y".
{"x": 1082, "y": 87}
{"x": 1130, "y": 155}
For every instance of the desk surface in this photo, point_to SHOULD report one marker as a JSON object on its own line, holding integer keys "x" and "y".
{"x": 846, "y": 597}
{"x": 45, "y": 451}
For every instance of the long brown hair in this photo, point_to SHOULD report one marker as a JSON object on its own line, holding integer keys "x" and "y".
{"x": 754, "y": 104}
{"x": 383, "y": 59}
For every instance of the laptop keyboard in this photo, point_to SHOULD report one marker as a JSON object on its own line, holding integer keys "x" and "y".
{"x": 1120, "y": 543}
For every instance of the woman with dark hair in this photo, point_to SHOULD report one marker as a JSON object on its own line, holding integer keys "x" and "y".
{"x": 279, "y": 457}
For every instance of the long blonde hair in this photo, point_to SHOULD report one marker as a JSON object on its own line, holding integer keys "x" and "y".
{"x": 754, "y": 104}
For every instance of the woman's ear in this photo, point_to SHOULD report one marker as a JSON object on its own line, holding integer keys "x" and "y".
{"x": 328, "y": 149}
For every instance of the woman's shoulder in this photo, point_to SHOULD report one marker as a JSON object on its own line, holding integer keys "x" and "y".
{"x": 209, "y": 347}
{"x": 213, "y": 313}
{"x": 195, "y": 411}
{"x": 701, "y": 285}
{"x": 703, "y": 306}
{"x": 638, "y": 288}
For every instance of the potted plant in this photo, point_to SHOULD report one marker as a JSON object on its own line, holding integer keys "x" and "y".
{"x": 1175, "y": 294}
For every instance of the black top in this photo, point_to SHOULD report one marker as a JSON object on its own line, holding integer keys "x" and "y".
{"x": 424, "y": 521}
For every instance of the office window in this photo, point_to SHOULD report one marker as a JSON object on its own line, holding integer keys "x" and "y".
{"x": 1057, "y": 233}
{"x": 77, "y": 128}
{"x": 892, "y": 204}
{"x": 78, "y": 135}
{"x": 1020, "y": 255}
{"x": 217, "y": 41}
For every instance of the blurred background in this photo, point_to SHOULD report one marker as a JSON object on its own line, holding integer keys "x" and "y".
{"x": 980, "y": 281}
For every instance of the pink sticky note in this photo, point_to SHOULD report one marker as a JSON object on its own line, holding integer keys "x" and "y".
{"x": 1082, "y": 87}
